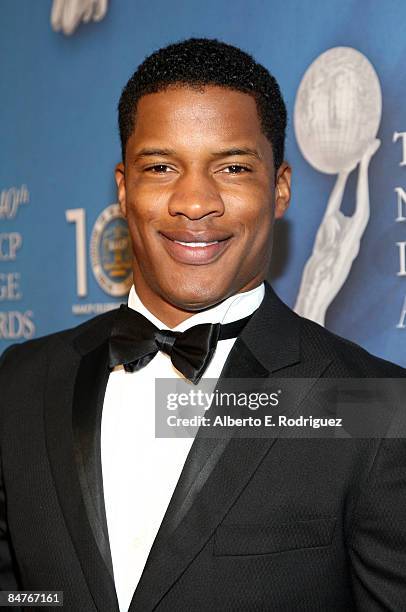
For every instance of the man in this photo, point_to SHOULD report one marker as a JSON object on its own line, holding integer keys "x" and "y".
{"x": 252, "y": 524}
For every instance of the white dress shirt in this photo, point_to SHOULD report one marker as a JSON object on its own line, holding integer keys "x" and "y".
{"x": 140, "y": 471}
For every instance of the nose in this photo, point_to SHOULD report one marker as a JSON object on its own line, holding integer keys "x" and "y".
{"x": 195, "y": 196}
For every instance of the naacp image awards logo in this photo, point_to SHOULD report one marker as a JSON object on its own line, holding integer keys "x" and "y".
{"x": 110, "y": 252}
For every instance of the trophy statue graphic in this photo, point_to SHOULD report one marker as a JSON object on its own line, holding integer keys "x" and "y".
{"x": 336, "y": 118}
{"x": 66, "y": 15}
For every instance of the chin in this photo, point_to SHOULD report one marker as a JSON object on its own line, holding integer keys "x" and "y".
{"x": 193, "y": 297}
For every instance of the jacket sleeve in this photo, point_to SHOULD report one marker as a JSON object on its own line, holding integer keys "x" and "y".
{"x": 8, "y": 569}
{"x": 378, "y": 542}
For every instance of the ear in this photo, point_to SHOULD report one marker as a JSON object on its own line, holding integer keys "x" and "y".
{"x": 282, "y": 189}
{"x": 121, "y": 193}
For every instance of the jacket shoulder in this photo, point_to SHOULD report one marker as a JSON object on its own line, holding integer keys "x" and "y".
{"x": 348, "y": 358}
{"x": 31, "y": 351}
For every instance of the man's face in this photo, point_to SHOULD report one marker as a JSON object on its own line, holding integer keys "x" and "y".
{"x": 198, "y": 190}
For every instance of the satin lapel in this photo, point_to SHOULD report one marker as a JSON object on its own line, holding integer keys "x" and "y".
{"x": 216, "y": 471}
{"x": 89, "y": 394}
{"x": 73, "y": 402}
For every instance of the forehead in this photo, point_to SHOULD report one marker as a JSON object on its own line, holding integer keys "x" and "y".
{"x": 202, "y": 116}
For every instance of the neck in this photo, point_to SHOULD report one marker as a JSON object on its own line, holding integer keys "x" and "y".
{"x": 164, "y": 311}
{"x": 170, "y": 314}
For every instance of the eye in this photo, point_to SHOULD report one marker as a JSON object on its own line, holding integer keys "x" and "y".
{"x": 159, "y": 169}
{"x": 236, "y": 169}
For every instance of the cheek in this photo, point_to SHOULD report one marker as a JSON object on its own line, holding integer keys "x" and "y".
{"x": 259, "y": 247}
{"x": 257, "y": 227}
{"x": 145, "y": 211}
{"x": 254, "y": 215}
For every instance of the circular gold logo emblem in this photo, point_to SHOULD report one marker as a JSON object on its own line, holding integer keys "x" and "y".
{"x": 110, "y": 252}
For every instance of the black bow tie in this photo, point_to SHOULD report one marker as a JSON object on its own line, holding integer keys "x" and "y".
{"x": 134, "y": 341}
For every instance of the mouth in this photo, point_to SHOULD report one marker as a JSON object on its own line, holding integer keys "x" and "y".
{"x": 195, "y": 248}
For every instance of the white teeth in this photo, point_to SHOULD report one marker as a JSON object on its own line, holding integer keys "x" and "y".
{"x": 196, "y": 244}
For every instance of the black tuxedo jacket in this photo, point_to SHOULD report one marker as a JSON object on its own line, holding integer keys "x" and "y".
{"x": 254, "y": 524}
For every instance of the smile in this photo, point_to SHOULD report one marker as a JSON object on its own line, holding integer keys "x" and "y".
{"x": 196, "y": 244}
{"x": 195, "y": 252}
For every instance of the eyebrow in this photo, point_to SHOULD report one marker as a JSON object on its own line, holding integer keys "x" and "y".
{"x": 238, "y": 151}
{"x": 155, "y": 152}
{"x": 223, "y": 153}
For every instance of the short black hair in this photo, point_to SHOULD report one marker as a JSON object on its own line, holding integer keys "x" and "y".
{"x": 200, "y": 62}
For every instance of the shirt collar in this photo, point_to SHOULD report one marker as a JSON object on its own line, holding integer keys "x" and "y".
{"x": 233, "y": 308}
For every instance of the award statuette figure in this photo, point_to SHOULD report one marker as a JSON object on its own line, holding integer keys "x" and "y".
{"x": 337, "y": 115}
